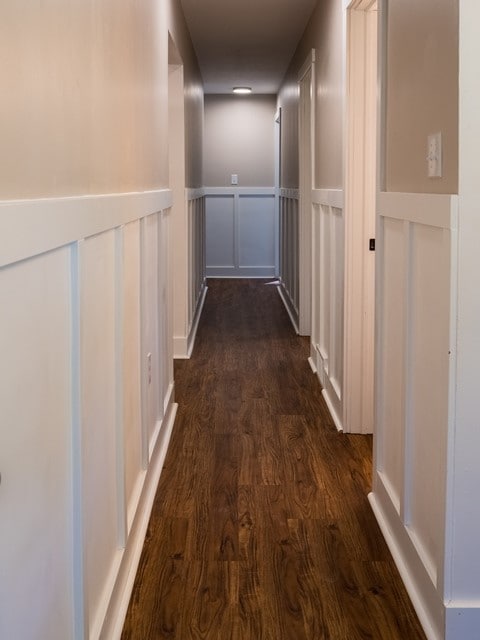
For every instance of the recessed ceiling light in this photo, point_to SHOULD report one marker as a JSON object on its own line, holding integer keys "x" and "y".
{"x": 242, "y": 90}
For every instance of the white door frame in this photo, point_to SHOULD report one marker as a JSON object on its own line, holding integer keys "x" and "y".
{"x": 278, "y": 178}
{"x": 360, "y": 204}
{"x": 306, "y": 146}
{"x": 179, "y": 259}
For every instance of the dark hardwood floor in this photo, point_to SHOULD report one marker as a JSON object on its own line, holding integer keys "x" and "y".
{"x": 261, "y": 527}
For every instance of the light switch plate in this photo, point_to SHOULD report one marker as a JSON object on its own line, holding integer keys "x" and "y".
{"x": 434, "y": 155}
{"x": 234, "y": 178}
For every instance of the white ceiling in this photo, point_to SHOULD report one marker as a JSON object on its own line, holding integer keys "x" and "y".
{"x": 245, "y": 42}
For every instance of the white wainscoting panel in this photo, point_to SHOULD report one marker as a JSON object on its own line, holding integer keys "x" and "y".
{"x": 35, "y": 449}
{"x": 392, "y": 410}
{"x": 220, "y": 234}
{"x": 97, "y": 383}
{"x": 240, "y": 232}
{"x": 256, "y": 222}
{"x": 86, "y": 419}
{"x": 150, "y": 279}
{"x": 132, "y": 419}
{"x": 188, "y": 266}
{"x": 197, "y": 262}
{"x": 327, "y": 339}
{"x": 416, "y": 249}
{"x": 289, "y": 288}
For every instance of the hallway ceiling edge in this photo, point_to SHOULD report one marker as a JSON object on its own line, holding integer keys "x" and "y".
{"x": 245, "y": 42}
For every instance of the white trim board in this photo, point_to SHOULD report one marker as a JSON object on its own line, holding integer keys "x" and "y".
{"x": 336, "y": 420}
{"x": 434, "y": 210}
{"x": 307, "y": 65}
{"x": 292, "y": 312}
{"x": 328, "y": 197}
{"x": 239, "y": 191}
{"x": 31, "y": 227}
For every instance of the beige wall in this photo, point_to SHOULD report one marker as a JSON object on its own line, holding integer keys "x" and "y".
{"x": 239, "y": 138}
{"x": 324, "y": 33}
{"x": 193, "y": 96}
{"x": 422, "y": 93}
{"x": 84, "y": 104}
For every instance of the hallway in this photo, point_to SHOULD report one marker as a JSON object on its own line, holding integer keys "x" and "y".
{"x": 261, "y": 528}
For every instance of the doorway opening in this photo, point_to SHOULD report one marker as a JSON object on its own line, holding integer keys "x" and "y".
{"x": 360, "y": 198}
{"x": 306, "y": 129}
{"x": 179, "y": 220}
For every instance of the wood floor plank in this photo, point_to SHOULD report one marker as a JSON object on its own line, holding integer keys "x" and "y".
{"x": 261, "y": 527}
{"x": 209, "y": 600}
{"x": 156, "y": 604}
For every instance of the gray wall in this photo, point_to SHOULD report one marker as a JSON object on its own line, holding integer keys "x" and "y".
{"x": 239, "y": 138}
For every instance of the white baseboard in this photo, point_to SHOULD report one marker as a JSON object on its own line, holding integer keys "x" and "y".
{"x": 183, "y": 345}
{"x": 241, "y": 272}
{"x": 289, "y": 307}
{"x": 122, "y": 591}
{"x": 336, "y": 420}
{"x": 312, "y": 365}
{"x": 425, "y": 599}
{"x": 180, "y": 347}
{"x": 196, "y": 320}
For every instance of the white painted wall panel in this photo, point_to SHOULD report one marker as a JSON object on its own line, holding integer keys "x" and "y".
{"x": 288, "y": 254}
{"x": 184, "y": 339}
{"x": 97, "y": 339}
{"x": 240, "y": 232}
{"x": 391, "y": 415}
{"x": 132, "y": 419}
{"x": 164, "y": 316}
{"x": 36, "y": 598}
{"x": 416, "y": 255}
{"x": 150, "y": 339}
{"x": 428, "y": 379}
{"x": 337, "y": 299}
{"x": 316, "y": 281}
{"x": 327, "y": 339}
{"x": 196, "y": 226}
{"x": 256, "y": 231}
{"x": 220, "y": 231}
{"x": 188, "y": 285}
{"x": 323, "y": 247}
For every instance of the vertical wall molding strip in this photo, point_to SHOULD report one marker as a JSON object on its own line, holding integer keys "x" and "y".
{"x": 119, "y": 394}
{"x": 80, "y": 612}
{"x": 326, "y": 345}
